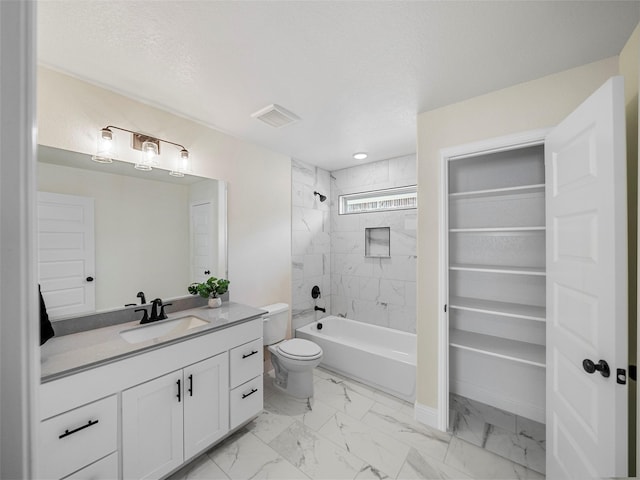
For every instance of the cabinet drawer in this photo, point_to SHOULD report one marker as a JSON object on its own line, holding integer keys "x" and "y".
{"x": 245, "y": 362}
{"x": 105, "y": 469}
{"x": 76, "y": 438}
{"x": 245, "y": 401}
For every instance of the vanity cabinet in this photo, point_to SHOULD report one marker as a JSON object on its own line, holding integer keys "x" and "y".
{"x": 149, "y": 413}
{"x": 77, "y": 438}
{"x": 169, "y": 419}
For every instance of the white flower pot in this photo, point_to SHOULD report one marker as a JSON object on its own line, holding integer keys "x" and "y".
{"x": 215, "y": 302}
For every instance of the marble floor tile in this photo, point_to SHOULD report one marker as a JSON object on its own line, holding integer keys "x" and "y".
{"x": 534, "y": 430}
{"x": 471, "y": 420}
{"x": 269, "y": 424}
{"x": 419, "y": 466}
{"x": 312, "y": 412}
{"x": 369, "y": 472}
{"x": 245, "y": 456}
{"x": 480, "y": 463}
{"x": 314, "y": 455}
{"x": 341, "y": 396}
{"x": 202, "y": 468}
{"x": 405, "y": 429}
{"x": 519, "y": 447}
{"x": 381, "y": 451}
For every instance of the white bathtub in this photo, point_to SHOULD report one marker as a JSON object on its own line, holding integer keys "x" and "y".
{"x": 381, "y": 357}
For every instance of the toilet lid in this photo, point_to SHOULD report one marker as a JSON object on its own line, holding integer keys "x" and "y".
{"x": 300, "y": 348}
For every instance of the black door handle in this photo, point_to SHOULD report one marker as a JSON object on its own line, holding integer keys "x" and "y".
{"x": 89, "y": 279}
{"x": 602, "y": 366}
{"x": 207, "y": 272}
{"x": 179, "y": 395}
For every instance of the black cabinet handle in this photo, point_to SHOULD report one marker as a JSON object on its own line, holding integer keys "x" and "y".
{"x": 179, "y": 395}
{"x": 253, "y": 390}
{"x": 191, "y": 385}
{"x": 89, "y": 279}
{"x": 602, "y": 367}
{"x": 253, "y": 352}
{"x": 71, "y": 432}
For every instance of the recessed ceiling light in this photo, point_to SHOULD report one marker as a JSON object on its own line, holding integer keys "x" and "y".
{"x": 360, "y": 155}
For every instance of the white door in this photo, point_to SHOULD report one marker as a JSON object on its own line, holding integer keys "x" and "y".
{"x": 201, "y": 242}
{"x": 587, "y": 289}
{"x": 152, "y": 435}
{"x": 66, "y": 253}
{"x": 206, "y": 403}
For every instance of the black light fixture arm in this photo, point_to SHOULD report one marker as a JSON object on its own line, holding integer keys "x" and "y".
{"x": 142, "y": 135}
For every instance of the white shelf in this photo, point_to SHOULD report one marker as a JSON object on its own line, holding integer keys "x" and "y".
{"x": 522, "y": 352}
{"x": 497, "y": 229}
{"x": 538, "y": 271}
{"x": 498, "y": 192}
{"x": 514, "y": 310}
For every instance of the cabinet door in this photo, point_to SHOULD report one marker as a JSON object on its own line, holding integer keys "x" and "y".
{"x": 206, "y": 403}
{"x": 152, "y": 424}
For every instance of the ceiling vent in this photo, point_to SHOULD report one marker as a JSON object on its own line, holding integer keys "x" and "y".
{"x": 276, "y": 116}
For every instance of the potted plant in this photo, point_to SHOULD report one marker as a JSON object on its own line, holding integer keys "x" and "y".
{"x": 210, "y": 289}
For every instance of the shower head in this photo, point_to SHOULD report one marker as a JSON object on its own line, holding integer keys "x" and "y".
{"x": 322, "y": 197}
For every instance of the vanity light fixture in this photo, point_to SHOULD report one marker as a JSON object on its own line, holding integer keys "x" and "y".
{"x": 105, "y": 147}
{"x": 183, "y": 164}
{"x": 360, "y": 155}
{"x": 148, "y": 146}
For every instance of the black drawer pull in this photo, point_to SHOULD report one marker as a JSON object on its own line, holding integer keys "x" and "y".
{"x": 179, "y": 390}
{"x": 71, "y": 432}
{"x": 253, "y": 390}
{"x": 253, "y": 352}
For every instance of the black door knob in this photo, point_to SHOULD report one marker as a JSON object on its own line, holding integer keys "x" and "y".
{"x": 207, "y": 272}
{"x": 89, "y": 279}
{"x": 602, "y": 366}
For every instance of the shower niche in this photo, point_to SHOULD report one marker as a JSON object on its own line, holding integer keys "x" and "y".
{"x": 496, "y": 279}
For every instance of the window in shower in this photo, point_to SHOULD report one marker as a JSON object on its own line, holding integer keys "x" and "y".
{"x": 399, "y": 198}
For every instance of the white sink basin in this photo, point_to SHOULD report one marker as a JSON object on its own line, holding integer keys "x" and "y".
{"x": 163, "y": 328}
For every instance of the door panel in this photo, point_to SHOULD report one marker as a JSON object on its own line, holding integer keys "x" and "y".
{"x": 587, "y": 288}
{"x": 66, "y": 253}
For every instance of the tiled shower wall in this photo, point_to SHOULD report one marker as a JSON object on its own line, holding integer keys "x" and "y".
{"x": 311, "y": 242}
{"x": 381, "y": 291}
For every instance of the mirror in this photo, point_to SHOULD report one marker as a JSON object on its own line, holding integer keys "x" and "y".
{"x": 152, "y": 232}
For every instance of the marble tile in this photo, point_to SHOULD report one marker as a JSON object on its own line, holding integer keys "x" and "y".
{"x": 313, "y": 265}
{"x": 391, "y": 292}
{"x": 403, "y": 242}
{"x": 369, "y": 472}
{"x": 403, "y": 317}
{"x": 480, "y": 463}
{"x": 202, "y": 468}
{"x": 339, "y": 395}
{"x": 315, "y": 455}
{"x": 403, "y": 170}
{"x": 471, "y": 420}
{"x": 381, "y": 451}
{"x": 517, "y": 447}
{"x": 347, "y": 242}
{"x": 303, "y": 173}
{"x": 270, "y": 423}
{"x": 376, "y": 313}
{"x": 245, "y": 456}
{"x": 398, "y": 267}
{"x": 410, "y": 294}
{"x": 418, "y": 466}
{"x": 404, "y": 428}
{"x": 345, "y": 285}
{"x": 350, "y": 264}
{"x": 312, "y": 413}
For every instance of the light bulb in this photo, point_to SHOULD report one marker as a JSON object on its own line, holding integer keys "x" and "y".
{"x": 105, "y": 147}
{"x": 149, "y": 156}
{"x": 182, "y": 164}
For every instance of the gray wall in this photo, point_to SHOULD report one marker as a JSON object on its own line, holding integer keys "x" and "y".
{"x": 328, "y": 249}
{"x": 311, "y": 242}
{"x": 381, "y": 291}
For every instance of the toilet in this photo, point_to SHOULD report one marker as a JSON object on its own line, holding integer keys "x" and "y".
{"x": 293, "y": 360}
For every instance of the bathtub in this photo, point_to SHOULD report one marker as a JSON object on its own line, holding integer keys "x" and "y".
{"x": 377, "y": 356}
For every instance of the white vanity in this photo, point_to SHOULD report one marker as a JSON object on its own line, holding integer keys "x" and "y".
{"x": 114, "y": 409}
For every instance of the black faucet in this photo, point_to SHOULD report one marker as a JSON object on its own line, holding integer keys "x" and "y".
{"x": 317, "y": 308}
{"x": 142, "y": 298}
{"x": 163, "y": 316}
{"x": 157, "y": 302}
{"x": 145, "y": 315}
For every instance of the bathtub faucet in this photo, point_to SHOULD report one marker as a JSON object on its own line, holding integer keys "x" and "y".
{"x": 317, "y": 308}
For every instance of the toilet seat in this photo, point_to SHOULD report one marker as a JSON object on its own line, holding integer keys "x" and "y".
{"x": 299, "y": 349}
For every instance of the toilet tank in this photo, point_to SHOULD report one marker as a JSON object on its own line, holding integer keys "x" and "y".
{"x": 274, "y": 323}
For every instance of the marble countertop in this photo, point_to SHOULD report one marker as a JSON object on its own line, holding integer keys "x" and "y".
{"x": 69, "y": 354}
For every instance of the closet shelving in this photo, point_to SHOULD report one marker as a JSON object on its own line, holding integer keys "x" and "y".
{"x": 496, "y": 277}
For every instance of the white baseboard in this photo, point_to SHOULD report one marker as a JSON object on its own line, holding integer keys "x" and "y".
{"x": 427, "y": 415}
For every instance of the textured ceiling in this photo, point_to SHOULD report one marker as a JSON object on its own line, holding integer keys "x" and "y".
{"x": 356, "y": 72}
